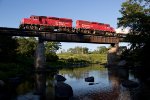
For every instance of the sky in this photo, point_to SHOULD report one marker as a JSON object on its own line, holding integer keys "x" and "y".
{"x": 103, "y": 11}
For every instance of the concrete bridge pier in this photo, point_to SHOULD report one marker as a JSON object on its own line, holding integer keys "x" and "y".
{"x": 112, "y": 57}
{"x": 40, "y": 56}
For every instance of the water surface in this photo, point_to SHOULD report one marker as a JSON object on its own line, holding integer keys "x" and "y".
{"x": 106, "y": 86}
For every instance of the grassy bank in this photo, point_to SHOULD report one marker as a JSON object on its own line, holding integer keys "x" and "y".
{"x": 24, "y": 65}
{"x": 77, "y": 60}
{"x": 92, "y": 58}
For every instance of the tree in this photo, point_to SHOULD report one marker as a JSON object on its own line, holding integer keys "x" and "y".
{"x": 27, "y": 46}
{"x": 136, "y": 16}
{"x": 100, "y": 50}
{"x": 50, "y": 50}
{"x": 78, "y": 50}
{"x": 85, "y": 50}
{"x": 8, "y": 47}
{"x": 52, "y": 47}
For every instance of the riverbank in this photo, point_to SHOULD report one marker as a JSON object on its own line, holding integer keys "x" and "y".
{"x": 25, "y": 65}
{"x": 92, "y": 58}
{"x": 77, "y": 60}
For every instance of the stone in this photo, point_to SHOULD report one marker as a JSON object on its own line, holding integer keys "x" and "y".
{"x": 63, "y": 90}
{"x": 89, "y": 79}
{"x": 2, "y": 83}
{"x": 92, "y": 83}
{"x": 59, "y": 78}
{"x": 130, "y": 84}
{"x": 122, "y": 63}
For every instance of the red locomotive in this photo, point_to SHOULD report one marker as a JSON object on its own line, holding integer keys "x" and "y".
{"x": 93, "y": 27}
{"x": 46, "y": 23}
{"x": 65, "y": 25}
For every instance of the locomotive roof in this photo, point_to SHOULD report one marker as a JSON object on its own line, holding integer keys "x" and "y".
{"x": 50, "y": 17}
{"x": 83, "y": 21}
{"x": 66, "y": 19}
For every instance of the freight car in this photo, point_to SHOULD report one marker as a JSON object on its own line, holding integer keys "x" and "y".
{"x": 65, "y": 25}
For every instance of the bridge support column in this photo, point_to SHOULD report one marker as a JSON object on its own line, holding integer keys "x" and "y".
{"x": 112, "y": 57}
{"x": 40, "y": 56}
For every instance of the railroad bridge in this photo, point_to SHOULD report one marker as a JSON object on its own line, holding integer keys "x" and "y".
{"x": 59, "y": 37}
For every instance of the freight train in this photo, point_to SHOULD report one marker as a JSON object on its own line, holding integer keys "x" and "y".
{"x": 46, "y": 23}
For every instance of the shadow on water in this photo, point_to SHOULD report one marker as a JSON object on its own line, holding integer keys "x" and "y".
{"x": 44, "y": 87}
{"x": 34, "y": 88}
{"x": 130, "y": 86}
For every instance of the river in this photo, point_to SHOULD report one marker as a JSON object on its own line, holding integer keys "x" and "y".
{"x": 107, "y": 85}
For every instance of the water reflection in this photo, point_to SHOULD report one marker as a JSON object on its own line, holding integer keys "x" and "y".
{"x": 81, "y": 88}
{"x": 117, "y": 75}
{"x": 40, "y": 84}
{"x": 33, "y": 89}
{"x": 107, "y": 85}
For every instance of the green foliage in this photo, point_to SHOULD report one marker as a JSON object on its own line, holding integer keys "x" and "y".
{"x": 51, "y": 57}
{"x": 23, "y": 50}
{"x": 136, "y": 16}
{"x": 8, "y": 70}
{"x": 13, "y": 64}
{"x": 92, "y": 58}
{"x": 100, "y": 50}
{"x": 78, "y": 50}
{"x": 82, "y": 55}
{"x": 52, "y": 47}
{"x": 50, "y": 50}
{"x": 27, "y": 46}
{"x": 7, "y": 48}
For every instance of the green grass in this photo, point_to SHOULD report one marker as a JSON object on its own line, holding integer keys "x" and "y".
{"x": 92, "y": 58}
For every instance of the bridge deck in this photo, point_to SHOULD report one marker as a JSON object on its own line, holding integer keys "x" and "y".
{"x": 59, "y": 37}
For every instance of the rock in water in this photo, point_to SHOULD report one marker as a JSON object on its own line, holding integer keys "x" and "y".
{"x": 130, "y": 84}
{"x": 63, "y": 90}
{"x": 89, "y": 79}
{"x": 2, "y": 83}
{"x": 122, "y": 63}
{"x": 60, "y": 78}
